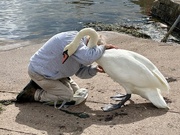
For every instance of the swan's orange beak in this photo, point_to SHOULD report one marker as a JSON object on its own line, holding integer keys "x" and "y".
{"x": 65, "y": 56}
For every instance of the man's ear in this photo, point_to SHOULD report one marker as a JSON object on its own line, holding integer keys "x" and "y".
{"x": 65, "y": 56}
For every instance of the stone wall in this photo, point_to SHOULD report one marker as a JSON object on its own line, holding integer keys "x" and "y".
{"x": 167, "y": 11}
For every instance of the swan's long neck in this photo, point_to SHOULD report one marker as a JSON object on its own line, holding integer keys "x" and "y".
{"x": 72, "y": 47}
{"x": 84, "y": 32}
{"x": 94, "y": 37}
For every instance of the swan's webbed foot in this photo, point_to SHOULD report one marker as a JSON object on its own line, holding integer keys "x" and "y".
{"x": 111, "y": 107}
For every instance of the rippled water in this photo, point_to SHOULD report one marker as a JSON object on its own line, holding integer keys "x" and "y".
{"x": 32, "y": 19}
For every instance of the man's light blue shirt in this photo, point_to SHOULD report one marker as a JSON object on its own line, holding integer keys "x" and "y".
{"x": 47, "y": 61}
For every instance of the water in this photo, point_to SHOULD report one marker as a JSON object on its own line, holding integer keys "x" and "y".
{"x": 36, "y": 19}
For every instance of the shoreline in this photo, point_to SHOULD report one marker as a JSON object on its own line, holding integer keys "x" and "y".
{"x": 7, "y": 45}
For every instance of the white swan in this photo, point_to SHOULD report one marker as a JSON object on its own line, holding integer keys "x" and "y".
{"x": 134, "y": 72}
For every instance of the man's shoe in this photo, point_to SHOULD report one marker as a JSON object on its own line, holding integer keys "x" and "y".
{"x": 80, "y": 96}
{"x": 27, "y": 94}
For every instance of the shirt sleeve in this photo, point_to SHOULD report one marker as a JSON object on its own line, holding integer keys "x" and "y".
{"x": 86, "y": 56}
{"x": 86, "y": 72}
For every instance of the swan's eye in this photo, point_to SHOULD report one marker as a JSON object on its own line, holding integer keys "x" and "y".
{"x": 65, "y": 56}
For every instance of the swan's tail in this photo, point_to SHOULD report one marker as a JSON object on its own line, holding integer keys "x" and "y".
{"x": 156, "y": 98}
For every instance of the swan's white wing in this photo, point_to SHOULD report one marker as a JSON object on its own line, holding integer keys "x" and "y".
{"x": 123, "y": 67}
{"x": 152, "y": 68}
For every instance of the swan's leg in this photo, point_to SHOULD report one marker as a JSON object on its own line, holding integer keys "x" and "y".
{"x": 118, "y": 97}
{"x": 111, "y": 107}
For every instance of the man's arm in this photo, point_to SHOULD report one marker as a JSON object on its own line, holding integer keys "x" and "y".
{"x": 86, "y": 72}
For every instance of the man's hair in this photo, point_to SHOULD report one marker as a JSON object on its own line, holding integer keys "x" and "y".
{"x": 101, "y": 40}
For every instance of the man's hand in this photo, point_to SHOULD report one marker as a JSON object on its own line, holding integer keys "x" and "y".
{"x": 100, "y": 69}
{"x": 111, "y": 46}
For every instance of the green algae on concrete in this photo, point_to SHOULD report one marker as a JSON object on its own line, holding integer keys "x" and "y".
{"x": 98, "y": 26}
